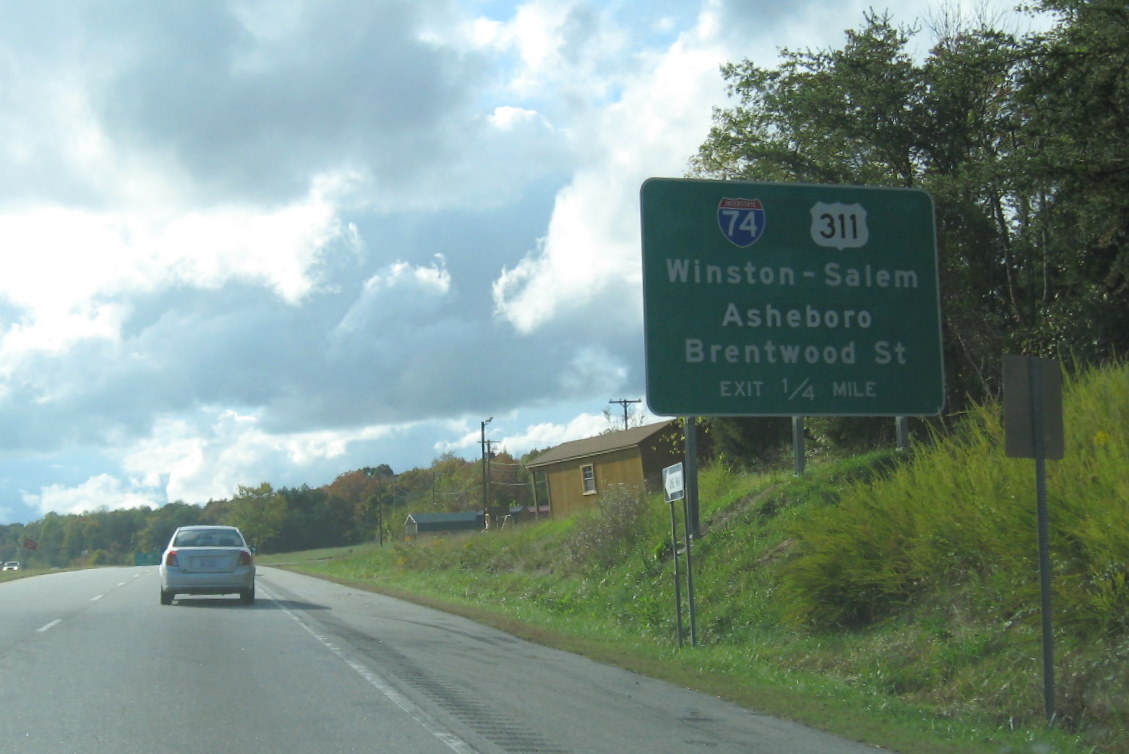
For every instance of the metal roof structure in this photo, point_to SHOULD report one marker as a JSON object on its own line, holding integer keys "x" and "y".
{"x": 593, "y": 446}
{"x": 439, "y": 522}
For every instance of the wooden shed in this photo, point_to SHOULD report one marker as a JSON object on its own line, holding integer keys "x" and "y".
{"x": 574, "y": 474}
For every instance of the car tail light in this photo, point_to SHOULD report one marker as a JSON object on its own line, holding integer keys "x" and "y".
{"x": 245, "y": 558}
{"x": 170, "y": 559}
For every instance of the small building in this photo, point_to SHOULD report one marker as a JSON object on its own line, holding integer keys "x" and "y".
{"x": 574, "y": 474}
{"x": 420, "y": 524}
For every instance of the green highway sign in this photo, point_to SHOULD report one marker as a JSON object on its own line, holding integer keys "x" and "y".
{"x": 773, "y": 299}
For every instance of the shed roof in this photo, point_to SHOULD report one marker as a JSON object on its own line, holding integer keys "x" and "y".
{"x": 445, "y": 518}
{"x": 593, "y": 446}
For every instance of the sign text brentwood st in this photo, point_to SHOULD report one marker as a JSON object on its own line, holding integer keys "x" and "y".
{"x": 765, "y": 299}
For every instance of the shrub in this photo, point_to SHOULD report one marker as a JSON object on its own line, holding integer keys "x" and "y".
{"x": 963, "y": 514}
{"x": 603, "y": 537}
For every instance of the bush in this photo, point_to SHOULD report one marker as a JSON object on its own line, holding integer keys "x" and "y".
{"x": 101, "y": 558}
{"x": 963, "y": 514}
{"x": 605, "y": 536}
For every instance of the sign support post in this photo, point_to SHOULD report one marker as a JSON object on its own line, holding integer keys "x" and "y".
{"x": 690, "y": 573}
{"x": 1044, "y": 540}
{"x": 691, "y": 452}
{"x": 674, "y": 489}
{"x": 677, "y": 575}
{"x": 1033, "y": 428}
{"x": 799, "y": 454}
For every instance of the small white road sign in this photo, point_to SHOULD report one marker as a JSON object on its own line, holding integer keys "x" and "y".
{"x": 673, "y": 484}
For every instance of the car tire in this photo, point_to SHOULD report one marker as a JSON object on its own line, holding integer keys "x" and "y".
{"x": 166, "y": 597}
{"x": 247, "y": 596}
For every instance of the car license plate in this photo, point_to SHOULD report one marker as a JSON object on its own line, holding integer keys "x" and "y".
{"x": 206, "y": 562}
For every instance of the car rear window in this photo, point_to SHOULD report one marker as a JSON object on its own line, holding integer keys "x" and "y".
{"x": 207, "y": 539}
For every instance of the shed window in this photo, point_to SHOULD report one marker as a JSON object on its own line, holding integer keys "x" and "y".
{"x": 588, "y": 472}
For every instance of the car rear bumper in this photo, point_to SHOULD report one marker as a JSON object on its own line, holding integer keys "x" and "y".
{"x": 175, "y": 581}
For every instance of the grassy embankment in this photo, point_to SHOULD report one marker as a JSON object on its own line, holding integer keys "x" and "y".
{"x": 891, "y": 599}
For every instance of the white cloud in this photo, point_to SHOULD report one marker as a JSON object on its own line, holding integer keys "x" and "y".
{"x": 401, "y": 293}
{"x": 540, "y": 435}
{"x": 507, "y": 118}
{"x": 63, "y": 265}
{"x": 101, "y": 492}
{"x": 591, "y": 251}
{"x": 548, "y": 434}
{"x": 275, "y": 248}
{"x": 206, "y": 459}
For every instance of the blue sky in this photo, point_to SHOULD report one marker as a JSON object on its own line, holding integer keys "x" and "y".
{"x": 279, "y": 240}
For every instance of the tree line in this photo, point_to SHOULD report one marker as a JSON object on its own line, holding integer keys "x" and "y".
{"x": 358, "y": 506}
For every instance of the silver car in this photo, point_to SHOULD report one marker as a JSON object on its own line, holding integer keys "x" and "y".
{"x": 207, "y": 560}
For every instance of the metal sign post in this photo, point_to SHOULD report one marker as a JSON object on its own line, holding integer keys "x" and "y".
{"x": 674, "y": 486}
{"x": 691, "y": 453}
{"x": 674, "y": 491}
{"x": 690, "y": 572}
{"x": 799, "y": 454}
{"x": 677, "y": 575}
{"x": 690, "y": 514}
{"x": 1033, "y": 428}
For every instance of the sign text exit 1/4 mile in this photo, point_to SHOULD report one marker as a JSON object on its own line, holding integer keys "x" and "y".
{"x": 771, "y": 299}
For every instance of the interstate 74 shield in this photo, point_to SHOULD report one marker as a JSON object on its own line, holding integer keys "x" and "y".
{"x": 741, "y": 220}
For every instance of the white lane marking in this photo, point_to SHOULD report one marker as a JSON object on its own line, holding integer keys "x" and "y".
{"x": 97, "y": 597}
{"x": 49, "y": 626}
{"x": 121, "y": 583}
{"x": 429, "y": 723}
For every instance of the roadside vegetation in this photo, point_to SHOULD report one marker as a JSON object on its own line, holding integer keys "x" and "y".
{"x": 888, "y": 597}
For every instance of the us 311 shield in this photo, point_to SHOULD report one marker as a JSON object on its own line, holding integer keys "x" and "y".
{"x": 741, "y": 220}
{"x": 839, "y": 225}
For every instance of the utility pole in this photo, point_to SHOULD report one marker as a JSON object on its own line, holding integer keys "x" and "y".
{"x": 485, "y": 475}
{"x": 489, "y": 454}
{"x": 624, "y": 402}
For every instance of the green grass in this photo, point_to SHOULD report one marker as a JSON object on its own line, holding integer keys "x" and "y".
{"x": 888, "y": 598}
{"x": 24, "y": 573}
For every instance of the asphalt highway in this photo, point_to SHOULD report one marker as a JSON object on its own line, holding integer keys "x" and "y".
{"x": 91, "y": 662}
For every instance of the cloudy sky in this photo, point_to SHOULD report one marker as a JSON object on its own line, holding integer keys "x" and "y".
{"x": 277, "y": 240}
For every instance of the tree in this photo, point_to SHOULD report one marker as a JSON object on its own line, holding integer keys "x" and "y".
{"x": 509, "y": 481}
{"x": 161, "y": 523}
{"x": 456, "y": 483}
{"x": 260, "y": 514}
{"x": 744, "y": 442}
{"x": 1075, "y": 93}
{"x": 846, "y": 116}
{"x": 1022, "y": 143}
{"x": 306, "y": 523}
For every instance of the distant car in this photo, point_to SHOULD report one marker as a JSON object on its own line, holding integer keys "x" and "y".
{"x": 12, "y": 565}
{"x": 207, "y": 560}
